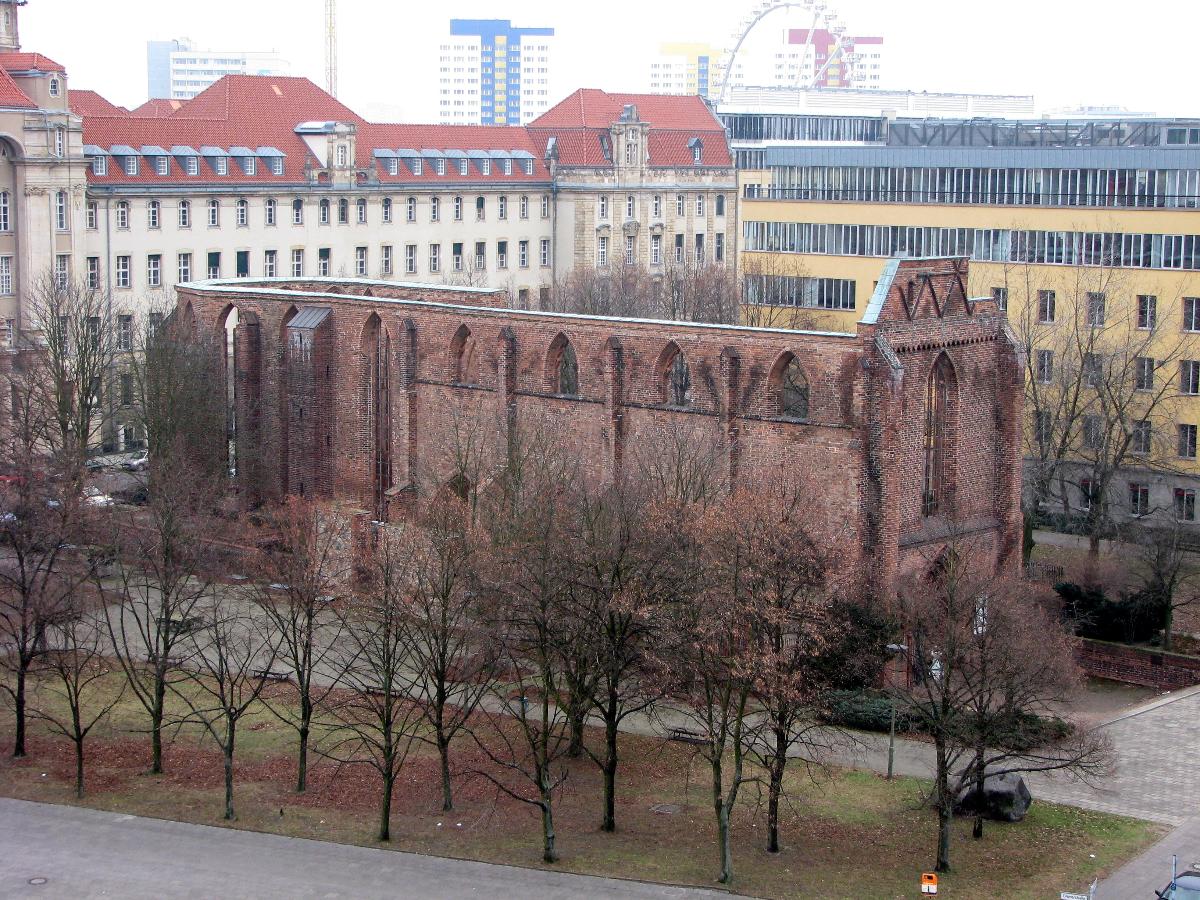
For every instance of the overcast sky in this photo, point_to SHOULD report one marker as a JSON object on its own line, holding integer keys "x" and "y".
{"x": 1066, "y": 52}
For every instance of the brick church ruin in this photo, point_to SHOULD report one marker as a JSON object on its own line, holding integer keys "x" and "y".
{"x": 358, "y": 392}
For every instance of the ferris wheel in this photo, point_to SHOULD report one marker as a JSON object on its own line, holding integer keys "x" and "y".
{"x": 841, "y": 52}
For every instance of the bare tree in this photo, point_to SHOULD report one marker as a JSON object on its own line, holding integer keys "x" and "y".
{"x": 984, "y": 654}
{"x": 708, "y": 653}
{"x": 452, "y": 664}
{"x": 70, "y": 373}
{"x": 619, "y": 592}
{"x": 789, "y": 586}
{"x": 1167, "y": 565}
{"x": 165, "y": 549}
{"x": 685, "y": 291}
{"x": 301, "y": 574}
{"x": 1101, "y": 385}
{"x": 377, "y": 722}
{"x": 229, "y": 659}
{"x": 777, "y": 293}
{"x": 526, "y": 575}
{"x": 75, "y": 675}
{"x": 42, "y": 515}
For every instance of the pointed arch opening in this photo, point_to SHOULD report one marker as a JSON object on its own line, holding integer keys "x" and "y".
{"x": 675, "y": 376}
{"x": 562, "y": 367}
{"x": 790, "y": 388}
{"x": 937, "y": 493}
{"x": 464, "y": 365}
{"x": 376, "y": 350}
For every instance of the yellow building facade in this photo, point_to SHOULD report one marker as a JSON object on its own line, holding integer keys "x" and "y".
{"x": 1089, "y": 232}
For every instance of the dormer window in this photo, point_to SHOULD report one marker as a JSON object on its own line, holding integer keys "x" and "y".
{"x": 697, "y": 148}
{"x": 630, "y": 152}
{"x": 393, "y": 166}
{"x": 276, "y": 165}
{"x": 342, "y": 155}
{"x": 508, "y": 167}
{"x": 222, "y": 165}
{"x": 99, "y": 165}
{"x": 250, "y": 165}
{"x": 193, "y": 165}
{"x": 485, "y": 166}
{"x": 419, "y": 167}
{"x": 462, "y": 167}
{"x": 54, "y": 87}
{"x": 162, "y": 165}
{"x": 529, "y": 167}
{"x": 131, "y": 165}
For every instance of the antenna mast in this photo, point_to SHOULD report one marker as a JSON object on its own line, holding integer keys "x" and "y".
{"x": 331, "y": 46}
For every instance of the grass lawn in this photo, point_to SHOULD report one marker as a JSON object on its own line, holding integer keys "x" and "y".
{"x": 852, "y": 834}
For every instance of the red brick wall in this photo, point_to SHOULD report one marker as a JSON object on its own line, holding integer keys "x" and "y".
{"x": 859, "y": 454}
{"x": 1137, "y": 665}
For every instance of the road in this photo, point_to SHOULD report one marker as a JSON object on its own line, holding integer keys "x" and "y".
{"x": 84, "y": 853}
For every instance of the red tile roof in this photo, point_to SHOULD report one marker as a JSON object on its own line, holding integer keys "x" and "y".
{"x": 158, "y": 108}
{"x": 11, "y": 95}
{"x": 255, "y": 99}
{"x": 25, "y": 62}
{"x": 89, "y": 103}
{"x": 264, "y": 111}
{"x": 593, "y": 108}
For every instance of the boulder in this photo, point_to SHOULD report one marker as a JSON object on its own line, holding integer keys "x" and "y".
{"x": 1004, "y": 798}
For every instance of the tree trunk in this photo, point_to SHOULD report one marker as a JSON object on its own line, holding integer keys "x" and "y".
{"x": 443, "y": 745}
{"x": 775, "y": 789}
{"x": 1094, "y": 545}
{"x": 609, "y": 768}
{"x": 980, "y": 776}
{"x": 79, "y": 768}
{"x": 156, "y": 719}
{"x": 230, "y": 732}
{"x": 385, "y": 811}
{"x": 1168, "y": 624}
{"x": 19, "y": 739}
{"x": 945, "y": 808}
{"x": 302, "y": 762}
{"x": 549, "y": 852}
{"x": 726, "y": 850}
{"x": 575, "y": 716}
{"x": 945, "y": 819}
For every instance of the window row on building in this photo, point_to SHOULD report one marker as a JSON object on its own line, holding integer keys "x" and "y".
{"x": 679, "y": 251}
{"x": 327, "y": 211}
{"x": 1135, "y": 188}
{"x": 1072, "y": 248}
{"x": 1139, "y": 494}
{"x": 800, "y": 290}
{"x": 682, "y": 202}
{"x": 297, "y": 262}
{"x": 1094, "y": 433}
{"x": 766, "y": 127}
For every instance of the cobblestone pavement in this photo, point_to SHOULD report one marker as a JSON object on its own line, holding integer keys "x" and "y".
{"x": 1158, "y": 766}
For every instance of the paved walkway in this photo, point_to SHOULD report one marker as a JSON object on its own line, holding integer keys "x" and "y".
{"x": 1151, "y": 871}
{"x": 85, "y": 853}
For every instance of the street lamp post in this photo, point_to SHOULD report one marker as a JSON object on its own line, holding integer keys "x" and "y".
{"x": 893, "y": 651}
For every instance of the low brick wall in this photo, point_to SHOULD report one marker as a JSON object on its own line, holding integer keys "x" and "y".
{"x": 1138, "y": 665}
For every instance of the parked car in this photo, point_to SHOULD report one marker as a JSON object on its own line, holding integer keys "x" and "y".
{"x": 1184, "y": 886}
{"x": 138, "y": 462}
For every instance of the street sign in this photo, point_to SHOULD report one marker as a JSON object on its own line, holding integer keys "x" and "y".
{"x": 1067, "y": 895}
{"x": 929, "y": 883}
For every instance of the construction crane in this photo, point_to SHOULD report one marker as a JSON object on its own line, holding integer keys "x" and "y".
{"x": 331, "y": 46}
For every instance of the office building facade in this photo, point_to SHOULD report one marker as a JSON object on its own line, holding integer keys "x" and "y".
{"x": 492, "y": 73}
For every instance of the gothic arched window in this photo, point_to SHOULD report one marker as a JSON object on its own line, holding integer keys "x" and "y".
{"x": 792, "y": 388}
{"x": 939, "y": 398}
{"x": 563, "y": 368}
{"x": 677, "y": 378}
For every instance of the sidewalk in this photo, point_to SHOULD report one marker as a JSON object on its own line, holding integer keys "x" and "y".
{"x": 1151, "y": 871}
